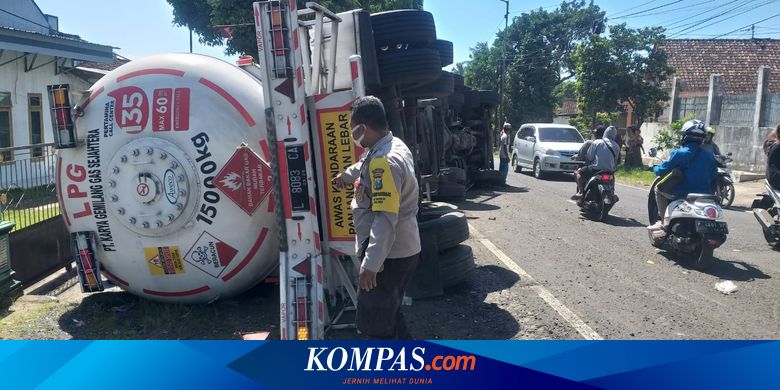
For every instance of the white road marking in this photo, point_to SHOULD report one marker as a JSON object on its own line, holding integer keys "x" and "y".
{"x": 576, "y": 322}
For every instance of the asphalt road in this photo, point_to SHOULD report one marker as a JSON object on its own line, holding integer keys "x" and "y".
{"x": 611, "y": 278}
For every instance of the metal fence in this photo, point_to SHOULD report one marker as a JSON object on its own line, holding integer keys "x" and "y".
{"x": 28, "y": 188}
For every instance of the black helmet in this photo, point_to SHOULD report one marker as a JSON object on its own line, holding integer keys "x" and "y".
{"x": 693, "y": 131}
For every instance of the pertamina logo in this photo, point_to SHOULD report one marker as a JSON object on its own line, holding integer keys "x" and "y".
{"x": 210, "y": 255}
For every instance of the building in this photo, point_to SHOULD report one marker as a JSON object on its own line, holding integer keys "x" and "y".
{"x": 34, "y": 54}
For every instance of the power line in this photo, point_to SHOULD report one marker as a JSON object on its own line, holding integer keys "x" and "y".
{"x": 732, "y": 16}
{"x": 686, "y": 7}
{"x": 762, "y": 20}
{"x": 635, "y": 7}
{"x": 694, "y": 24}
{"x": 654, "y": 8}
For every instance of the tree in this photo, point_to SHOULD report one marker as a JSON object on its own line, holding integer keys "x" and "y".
{"x": 622, "y": 68}
{"x": 458, "y": 68}
{"x": 203, "y": 15}
{"x": 481, "y": 71}
{"x": 536, "y": 50}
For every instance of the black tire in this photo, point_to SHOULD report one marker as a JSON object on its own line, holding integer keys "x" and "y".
{"x": 703, "y": 257}
{"x": 453, "y": 174}
{"x": 450, "y": 191}
{"x": 403, "y": 26}
{"x": 538, "y": 172}
{"x": 488, "y": 176}
{"x": 515, "y": 165}
{"x": 436, "y": 208}
{"x": 652, "y": 207}
{"x": 442, "y": 87}
{"x": 727, "y": 194}
{"x": 456, "y": 265}
{"x": 450, "y": 228}
{"x": 409, "y": 66}
{"x": 603, "y": 212}
{"x": 445, "y": 51}
{"x": 489, "y": 98}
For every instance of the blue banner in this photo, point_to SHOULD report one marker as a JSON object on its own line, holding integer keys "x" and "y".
{"x": 339, "y": 364}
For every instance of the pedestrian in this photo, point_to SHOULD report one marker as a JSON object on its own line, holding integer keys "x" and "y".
{"x": 384, "y": 211}
{"x": 635, "y": 148}
{"x": 772, "y": 150}
{"x": 503, "y": 150}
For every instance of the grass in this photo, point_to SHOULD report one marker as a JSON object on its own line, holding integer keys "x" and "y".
{"x": 31, "y": 216}
{"x": 634, "y": 176}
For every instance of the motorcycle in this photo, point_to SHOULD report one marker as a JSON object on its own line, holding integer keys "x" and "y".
{"x": 695, "y": 229}
{"x": 599, "y": 197}
{"x": 724, "y": 186}
{"x": 766, "y": 209}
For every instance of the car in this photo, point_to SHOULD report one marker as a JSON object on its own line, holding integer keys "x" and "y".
{"x": 546, "y": 148}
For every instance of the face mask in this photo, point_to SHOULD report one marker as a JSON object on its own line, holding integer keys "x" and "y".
{"x": 358, "y": 141}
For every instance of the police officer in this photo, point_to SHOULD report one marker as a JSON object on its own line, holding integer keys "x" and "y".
{"x": 385, "y": 216}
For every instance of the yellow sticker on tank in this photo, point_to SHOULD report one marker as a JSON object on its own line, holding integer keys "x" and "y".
{"x": 384, "y": 193}
{"x": 165, "y": 260}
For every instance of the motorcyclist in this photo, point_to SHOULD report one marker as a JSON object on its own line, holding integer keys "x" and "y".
{"x": 602, "y": 155}
{"x": 772, "y": 150}
{"x": 698, "y": 165}
{"x": 709, "y": 142}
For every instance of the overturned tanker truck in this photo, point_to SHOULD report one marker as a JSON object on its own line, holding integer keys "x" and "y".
{"x": 184, "y": 178}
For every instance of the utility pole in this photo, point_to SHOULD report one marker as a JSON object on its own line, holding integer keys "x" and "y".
{"x": 190, "y": 39}
{"x": 502, "y": 75}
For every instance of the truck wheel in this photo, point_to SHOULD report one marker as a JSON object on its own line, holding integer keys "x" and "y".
{"x": 456, "y": 265}
{"x": 445, "y": 51}
{"x": 442, "y": 87}
{"x": 436, "y": 208}
{"x": 409, "y": 66}
{"x": 403, "y": 26}
{"x": 453, "y": 174}
{"x": 450, "y": 191}
{"x": 449, "y": 229}
{"x": 489, "y": 176}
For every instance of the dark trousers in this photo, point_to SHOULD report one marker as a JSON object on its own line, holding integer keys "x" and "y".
{"x": 379, "y": 313}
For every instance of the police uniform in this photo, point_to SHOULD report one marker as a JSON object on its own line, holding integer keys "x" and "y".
{"x": 384, "y": 210}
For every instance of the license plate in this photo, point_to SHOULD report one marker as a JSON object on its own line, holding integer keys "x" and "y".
{"x": 712, "y": 227}
{"x": 569, "y": 166}
{"x": 296, "y": 175}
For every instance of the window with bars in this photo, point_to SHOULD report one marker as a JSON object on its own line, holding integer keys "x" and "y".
{"x": 6, "y": 126}
{"x": 36, "y": 124}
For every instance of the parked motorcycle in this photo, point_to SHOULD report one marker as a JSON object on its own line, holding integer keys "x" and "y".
{"x": 767, "y": 211}
{"x": 724, "y": 186}
{"x": 599, "y": 197}
{"x": 695, "y": 229}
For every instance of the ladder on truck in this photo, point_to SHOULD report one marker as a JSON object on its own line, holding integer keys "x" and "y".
{"x": 289, "y": 76}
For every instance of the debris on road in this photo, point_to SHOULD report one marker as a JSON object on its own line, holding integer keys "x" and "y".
{"x": 650, "y": 262}
{"x": 726, "y": 287}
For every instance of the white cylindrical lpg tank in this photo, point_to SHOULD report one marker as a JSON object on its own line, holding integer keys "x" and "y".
{"x": 174, "y": 178}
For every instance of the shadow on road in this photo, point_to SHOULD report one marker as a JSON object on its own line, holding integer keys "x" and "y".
{"x": 121, "y": 315}
{"x": 614, "y": 220}
{"x": 724, "y": 269}
{"x": 462, "y": 312}
{"x": 478, "y": 198}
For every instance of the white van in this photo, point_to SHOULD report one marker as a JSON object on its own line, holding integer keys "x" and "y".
{"x": 546, "y": 148}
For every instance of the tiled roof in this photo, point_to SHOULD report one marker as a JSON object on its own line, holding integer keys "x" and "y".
{"x": 118, "y": 61}
{"x": 568, "y": 107}
{"x": 737, "y": 60}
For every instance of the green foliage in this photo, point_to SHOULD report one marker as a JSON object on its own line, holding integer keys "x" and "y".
{"x": 622, "y": 68}
{"x": 565, "y": 90}
{"x": 669, "y": 137}
{"x": 481, "y": 71}
{"x": 203, "y": 15}
{"x": 586, "y": 124}
{"x": 459, "y": 68}
{"x": 634, "y": 176}
{"x": 537, "y": 51}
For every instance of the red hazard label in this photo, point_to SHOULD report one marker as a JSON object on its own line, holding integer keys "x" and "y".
{"x": 210, "y": 254}
{"x": 245, "y": 179}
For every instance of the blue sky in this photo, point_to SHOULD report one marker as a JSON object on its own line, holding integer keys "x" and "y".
{"x": 143, "y": 27}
